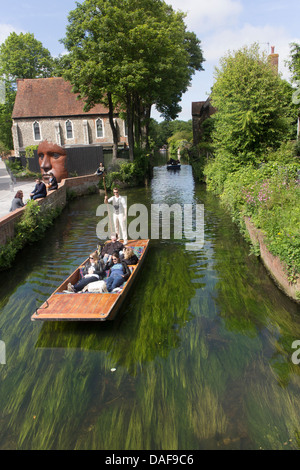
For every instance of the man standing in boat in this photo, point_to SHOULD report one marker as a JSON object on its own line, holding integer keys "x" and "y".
{"x": 119, "y": 213}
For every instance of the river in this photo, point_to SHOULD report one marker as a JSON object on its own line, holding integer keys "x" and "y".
{"x": 199, "y": 357}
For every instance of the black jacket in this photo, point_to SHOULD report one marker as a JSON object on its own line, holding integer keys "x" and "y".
{"x": 40, "y": 189}
{"x": 98, "y": 269}
{"x": 110, "y": 248}
{"x": 53, "y": 183}
{"x": 126, "y": 270}
{"x": 133, "y": 260}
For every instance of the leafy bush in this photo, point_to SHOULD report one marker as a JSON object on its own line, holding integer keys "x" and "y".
{"x": 270, "y": 195}
{"x": 130, "y": 173}
{"x": 29, "y": 150}
{"x": 29, "y": 229}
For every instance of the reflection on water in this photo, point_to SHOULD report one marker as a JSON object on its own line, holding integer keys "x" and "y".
{"x": 198, "y": 358}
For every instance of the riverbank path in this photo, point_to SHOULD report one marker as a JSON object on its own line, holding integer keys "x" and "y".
{"x": 8, "y": 189}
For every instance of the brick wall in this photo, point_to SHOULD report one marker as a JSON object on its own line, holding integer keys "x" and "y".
{"x": 80, "y": 185}
{"x": 272, "y": 263}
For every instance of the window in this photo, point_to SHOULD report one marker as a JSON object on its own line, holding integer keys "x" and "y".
{"x": 36, "y": 131}
{"x": 69, "y": 129}
{"x": 99, "y": 128}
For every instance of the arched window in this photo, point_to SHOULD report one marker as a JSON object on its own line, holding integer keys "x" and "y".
{"x": 99, "y": 128}
{"x": 36, "y": 131}
{"x": 69, "y": 129}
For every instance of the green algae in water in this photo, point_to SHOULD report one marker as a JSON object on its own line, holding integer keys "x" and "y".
{"x": 199, "y": 357}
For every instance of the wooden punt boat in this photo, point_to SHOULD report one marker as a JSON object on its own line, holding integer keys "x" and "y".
{"x": 88, "y": 306}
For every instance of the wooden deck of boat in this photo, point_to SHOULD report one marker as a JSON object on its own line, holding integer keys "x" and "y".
{"x": 87, "y": 306}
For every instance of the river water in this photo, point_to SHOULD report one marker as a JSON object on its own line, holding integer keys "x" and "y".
{"x": 199, "y": 357}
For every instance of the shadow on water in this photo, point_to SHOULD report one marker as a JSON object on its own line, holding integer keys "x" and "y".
{"x": 199, "y": 356}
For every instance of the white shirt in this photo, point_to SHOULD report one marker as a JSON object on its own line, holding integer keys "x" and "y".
{"x": 119, "y": 204}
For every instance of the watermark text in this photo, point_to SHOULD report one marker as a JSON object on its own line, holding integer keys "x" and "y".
{"x": 183, "y": 222}
{"x": 2, "y": 353}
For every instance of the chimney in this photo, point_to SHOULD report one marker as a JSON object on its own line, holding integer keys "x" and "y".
{"x": 273, "y": 59}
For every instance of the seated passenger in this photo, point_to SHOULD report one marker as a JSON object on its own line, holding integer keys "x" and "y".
{"x": 52, "y": 185}
{"x": 119, "y": 273}
{"x": 17, "y": 201}
{"x": 100, "y": 170}
{"x": 39, "y": 190}
{"x": 128, "y": 256}
{"x": 93, "y": 271}
{"x": 110, "y": 247}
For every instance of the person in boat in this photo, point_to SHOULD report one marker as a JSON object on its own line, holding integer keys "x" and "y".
{"x": 39, "y": 191}
{"x": 52, "y": 185}
{"x": 119, "y": 212}
{"x": 173, "y": 162}
{"x": 110, "y": 247}
{"x": 128, "y": 256}
{"x": 93, "y": 271}
{"x": 119, "y": 272}
{"x": 17, "y": 201}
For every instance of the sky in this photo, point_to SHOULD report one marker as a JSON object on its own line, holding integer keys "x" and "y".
{"x": 221, "y": 25}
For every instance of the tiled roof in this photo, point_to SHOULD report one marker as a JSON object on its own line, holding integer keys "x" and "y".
{"x": 49, "y": 97}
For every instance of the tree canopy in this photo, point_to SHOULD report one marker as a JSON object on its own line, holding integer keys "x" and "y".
{"x": 254, "y": 105}
{"x": 294, "y": 62}
{"x": 21, "y": 56}
{"x": 133, "y": 54}
{"x": 255, "y": 113}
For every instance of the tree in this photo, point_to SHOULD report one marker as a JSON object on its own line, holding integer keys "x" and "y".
{"x": 21, "y": 56}
{"x": 6, "y": 109}
{"x": 131, "y": 54}
{"x": 294, "y": 62}
{"x": 254, "y": 105}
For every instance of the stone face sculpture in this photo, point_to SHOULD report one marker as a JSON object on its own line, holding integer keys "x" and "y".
{"x": 52, "y": 159}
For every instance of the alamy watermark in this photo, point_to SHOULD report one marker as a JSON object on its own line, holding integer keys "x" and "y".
{"x": 296, "y": 354}
{"x": 2, "y": 353}
{"x": 188, "y": 223}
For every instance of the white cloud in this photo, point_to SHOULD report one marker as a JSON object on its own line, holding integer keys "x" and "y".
{"x": 206, "y": 15}
{"x": 5, "y": 30}
{"x": 216, "y": 45}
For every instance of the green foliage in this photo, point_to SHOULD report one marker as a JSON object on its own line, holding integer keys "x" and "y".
{"x": 160, "y": 132}
{"x": 14, "y": 166}
{"x": 138, "y": 52}
{"x": 29, "y": 150}
{"x": 255, "y": 109}
{"x": 130, "y": 173}
{"x": 294, "y": 62}
{"x": 6, "y": 110}
{"x": 23, "y": 56}
{"x": 29, "y": 229}
{"x": 180, "y": 140}
{"x": 270, "y": 195}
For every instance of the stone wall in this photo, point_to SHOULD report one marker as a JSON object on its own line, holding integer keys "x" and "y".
{"x": 54, "y": 130}
{"x": 273, "y": 263}
{"x": 80, "y": 185}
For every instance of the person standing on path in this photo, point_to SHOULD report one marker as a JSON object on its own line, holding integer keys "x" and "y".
{"x": 119, "y": 213}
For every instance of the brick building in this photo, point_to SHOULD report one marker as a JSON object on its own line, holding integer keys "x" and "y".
{"x": 201, "y": 110}
{"x": 46, "y": 109}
